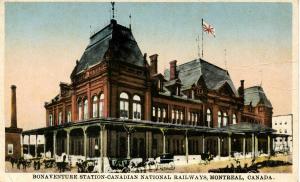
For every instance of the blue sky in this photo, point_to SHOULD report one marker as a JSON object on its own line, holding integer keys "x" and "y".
{"x": 43, "y": 41}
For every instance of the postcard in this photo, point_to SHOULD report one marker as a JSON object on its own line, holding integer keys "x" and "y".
{"x": 150, "y": 91}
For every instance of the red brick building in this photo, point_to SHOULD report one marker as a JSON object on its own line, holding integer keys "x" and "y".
{"x": 119, "y": 103}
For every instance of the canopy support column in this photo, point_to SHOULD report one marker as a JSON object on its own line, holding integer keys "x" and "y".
{"x": 186, "y": 147}
{"x": 36, "y": 145}
{"x": 229, "y": 145}
{"x": 269, "y": 145}
{"x": 54, "y": 144}
{"x": 219, "y": 146}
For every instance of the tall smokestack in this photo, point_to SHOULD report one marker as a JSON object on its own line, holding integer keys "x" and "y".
{"x": 13, "y": 107}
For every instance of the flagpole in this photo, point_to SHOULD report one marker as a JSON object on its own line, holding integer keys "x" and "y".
{"x": 202, "y": 37}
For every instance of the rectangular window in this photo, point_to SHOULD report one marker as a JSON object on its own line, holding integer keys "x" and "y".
{"x": 101, "y": 105}
{"x": 181, "y": 116}
{"x": 173, "y": 114}
{"x": 69, "y": 116}
{"x": 153, "y": 111}
{"x": 95, "y": 110}
{"x": 10, "y": 149}
{"x": 59, "y": 117}
{"x": 137, "y": 111}
{"x": 124, "y": 109}
{"x": 50, "y": 120}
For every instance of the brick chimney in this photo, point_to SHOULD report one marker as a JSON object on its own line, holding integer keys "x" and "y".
{"x": 241, "y": 89}
{"x": 173, "y": 73}
{"x": 153, "y": 64}
{"x": 13, "y": 107}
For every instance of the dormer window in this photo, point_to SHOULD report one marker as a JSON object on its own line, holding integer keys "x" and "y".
{"x": 177, "y": 90}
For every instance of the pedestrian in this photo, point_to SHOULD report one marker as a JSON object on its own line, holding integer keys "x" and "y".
{"x": 12, "y": 161}
{"x": 97, "y": 151}
{"x": 39, "y": 165}
{"x": 18, "y": 163}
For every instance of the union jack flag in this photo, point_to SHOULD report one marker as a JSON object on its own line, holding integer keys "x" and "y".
{"x": 208, "y": 28}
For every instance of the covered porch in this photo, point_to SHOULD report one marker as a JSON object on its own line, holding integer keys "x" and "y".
{"x": 116, "y": 138}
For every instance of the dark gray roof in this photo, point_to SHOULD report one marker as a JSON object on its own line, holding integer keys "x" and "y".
{"x": 115, "y": 40}
{"x": 248, "y": 127}
{"x": 214, "y": 77}
{"x": 256, "y": 95}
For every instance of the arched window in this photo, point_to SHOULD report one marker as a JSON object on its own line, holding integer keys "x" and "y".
{"x": 95, "y": 106}
{"x": 79, "y": 110}
{"x": 208, "y": 117}
{"x": 85, "y": 109}
{"x": 225, "y": 119}
{"x": 196, "y": 119}
{"x": 124, "y": 108}
{"x": 50, "y": 120}
{"x": 59, "y": 117}
{"x": 233, "y": 119}
{"x": 69, "y": 116}
{"x": 101, "y": 105}
{"x": 137, "y": 109}
{"x": 219, "y": 118}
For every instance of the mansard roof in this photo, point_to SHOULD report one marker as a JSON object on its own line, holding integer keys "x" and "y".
{"x": 214, "y": 77}
{"x": 115, "y": 41}
{"x": 256, "y": 95}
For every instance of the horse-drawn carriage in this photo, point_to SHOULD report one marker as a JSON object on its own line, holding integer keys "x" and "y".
{"x": 87, "y": 166}
{"x": 166, "y": 161}
{"x": 206, "y": 158}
